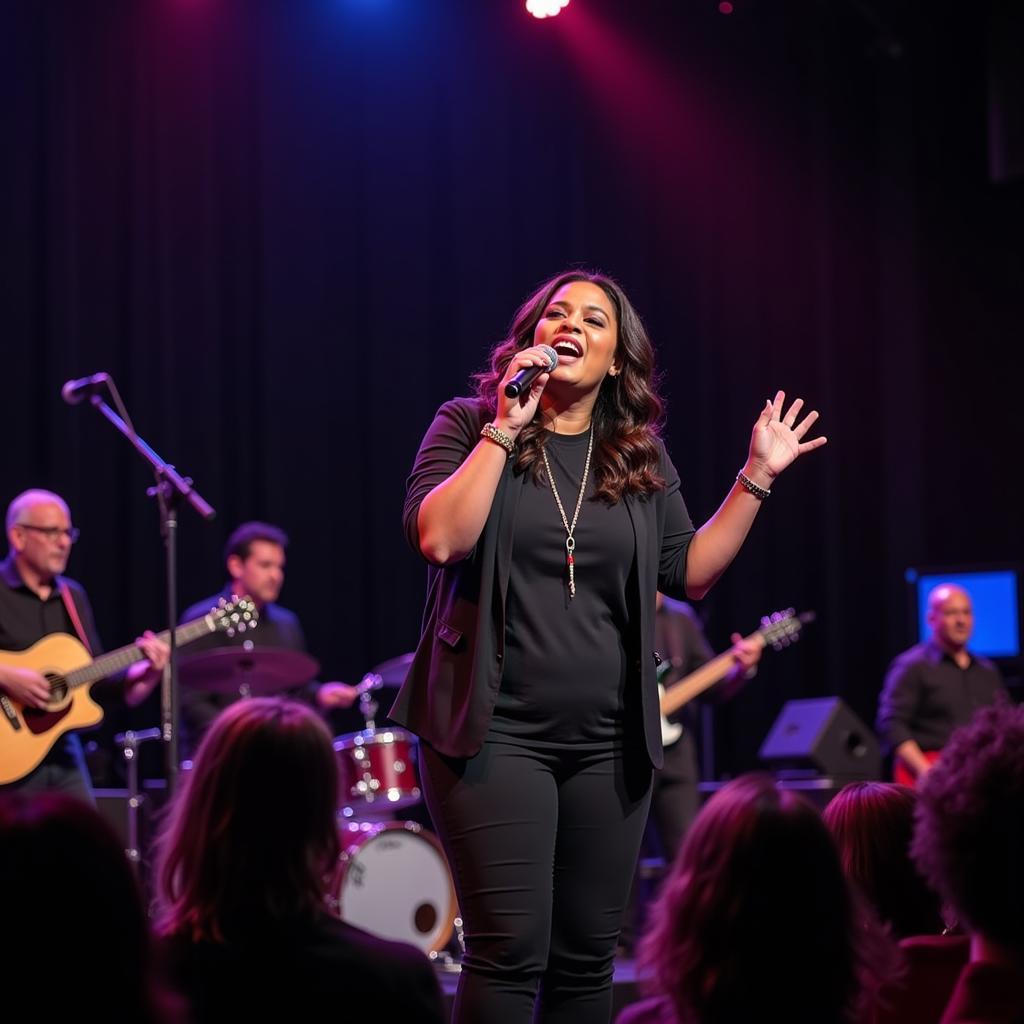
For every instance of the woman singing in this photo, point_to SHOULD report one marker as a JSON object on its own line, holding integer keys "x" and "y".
{"x": 550, "y": 520}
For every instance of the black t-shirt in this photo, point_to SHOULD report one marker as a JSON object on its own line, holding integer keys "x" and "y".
{"x": 566, "y": 661}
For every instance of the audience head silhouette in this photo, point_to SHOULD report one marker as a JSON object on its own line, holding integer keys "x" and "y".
{"x": 253, "y": 827}
{"x": 756, "y": 918}
{"x": 75, "y": 933}
{"x": 872, "y": 824}
{"x": 969, "y": 836}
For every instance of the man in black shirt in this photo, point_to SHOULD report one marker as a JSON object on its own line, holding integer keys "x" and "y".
{"x": 35, "y": 601}
{"x": 675, "y": 799}
{"x": 934, "y": 687}
{"x": 681, "y": 642}
{"x": 255, "y": 560}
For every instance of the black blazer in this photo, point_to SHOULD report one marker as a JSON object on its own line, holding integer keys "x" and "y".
{"x": 449, "y": 694}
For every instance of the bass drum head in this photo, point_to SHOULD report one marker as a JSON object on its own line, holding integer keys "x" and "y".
{"x": 393, "y": 880}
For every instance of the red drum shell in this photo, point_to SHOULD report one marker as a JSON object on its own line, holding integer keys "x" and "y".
{"x": 377, "y": 771}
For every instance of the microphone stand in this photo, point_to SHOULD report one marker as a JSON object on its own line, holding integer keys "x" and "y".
{"x": 169, "y": 490}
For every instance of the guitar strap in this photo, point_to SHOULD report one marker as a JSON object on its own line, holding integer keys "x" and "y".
{"x": 76, "y": 621}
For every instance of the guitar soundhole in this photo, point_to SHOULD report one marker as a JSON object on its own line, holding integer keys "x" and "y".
{"x": 58, "y": 688}
{"x": 40, "y": 720}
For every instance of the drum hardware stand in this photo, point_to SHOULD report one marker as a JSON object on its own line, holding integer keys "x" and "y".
{"x": 170, "y": 488}
{"x": 443, "y": 960}
{"x": 368, "y": 708}
{"x": 129, "y": 742}
{"x": 245, "y": 687}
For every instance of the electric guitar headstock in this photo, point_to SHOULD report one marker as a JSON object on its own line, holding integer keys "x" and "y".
{"x": 780, "y": 629}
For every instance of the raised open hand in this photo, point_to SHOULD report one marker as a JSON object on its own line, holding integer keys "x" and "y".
{"x": 777, "y": 439}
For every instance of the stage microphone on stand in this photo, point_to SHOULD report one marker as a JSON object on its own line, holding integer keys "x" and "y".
{"x": 74, "y": 391}
{"x": 522, "y": 380}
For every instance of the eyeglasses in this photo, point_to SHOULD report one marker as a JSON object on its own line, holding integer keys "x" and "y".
{"x": 53, "y": 532}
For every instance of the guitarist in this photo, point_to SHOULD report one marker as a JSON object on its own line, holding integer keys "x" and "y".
{"x": 935, "y": 687}
{"x": 680, "y": 640}
{"x": 37, "y": 600}
{"x": 681, "y": 643}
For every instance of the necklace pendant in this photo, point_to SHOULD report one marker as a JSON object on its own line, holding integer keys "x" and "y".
{"x": 570, "y": 547}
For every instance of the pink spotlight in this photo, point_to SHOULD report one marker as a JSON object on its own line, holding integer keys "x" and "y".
{"x": 546, "y": 8}
{"x": 725, "y": 7}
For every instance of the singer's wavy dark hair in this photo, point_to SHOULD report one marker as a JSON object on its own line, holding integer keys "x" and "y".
{"x": 628, "y": 411}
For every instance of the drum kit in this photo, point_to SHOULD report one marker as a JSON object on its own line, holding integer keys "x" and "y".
{"x": 392, "y": 877}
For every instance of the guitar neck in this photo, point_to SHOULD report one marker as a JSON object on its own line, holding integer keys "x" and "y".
{"x": 697, "y": 682}
{"x": 115, "y": 661}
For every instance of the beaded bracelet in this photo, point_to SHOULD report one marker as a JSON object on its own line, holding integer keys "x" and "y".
{"x": 756, "y": 490}
{"x": 492, "y": 433}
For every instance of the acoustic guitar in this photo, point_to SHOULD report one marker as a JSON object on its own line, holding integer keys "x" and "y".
{"x": 28, "y": 733}
{"x": 778, "y": 630}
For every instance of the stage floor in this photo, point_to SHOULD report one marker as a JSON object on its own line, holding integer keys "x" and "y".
{"x": 624, "y": 992}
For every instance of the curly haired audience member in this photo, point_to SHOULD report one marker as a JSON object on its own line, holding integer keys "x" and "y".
{"x": 969, "y": 844}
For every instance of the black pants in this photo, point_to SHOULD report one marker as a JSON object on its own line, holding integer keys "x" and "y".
{"x": 675, "y": 801}
{"x": 542, "y": 846}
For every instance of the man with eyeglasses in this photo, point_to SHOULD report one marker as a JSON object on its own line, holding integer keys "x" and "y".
{"x": 36, "y": 599}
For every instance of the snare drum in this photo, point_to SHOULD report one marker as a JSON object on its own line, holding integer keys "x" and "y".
{"x": 392, "y": 879}
{"x": 377, "y": 771}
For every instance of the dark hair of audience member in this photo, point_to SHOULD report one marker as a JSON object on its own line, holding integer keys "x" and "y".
{"x": 969, "y": 834}
{"x": 253, "y": 828}
{"x": 756, "y": 919}
{"x": 75, "y": 935}
{"x": 872, "y": 824}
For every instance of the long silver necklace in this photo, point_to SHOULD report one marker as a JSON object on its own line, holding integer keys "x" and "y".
{"x": 570, "y": 541}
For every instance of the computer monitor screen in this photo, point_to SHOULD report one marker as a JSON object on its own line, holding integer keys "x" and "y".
{"x": 995, "y": 595}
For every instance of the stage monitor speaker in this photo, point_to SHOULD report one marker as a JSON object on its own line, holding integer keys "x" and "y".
{"x": 824, "y": 736}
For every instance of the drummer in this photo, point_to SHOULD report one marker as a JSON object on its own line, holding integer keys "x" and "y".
{"x": 255, "y": 560}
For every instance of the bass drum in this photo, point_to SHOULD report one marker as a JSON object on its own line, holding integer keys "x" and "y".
{"x": 392, "y": 879}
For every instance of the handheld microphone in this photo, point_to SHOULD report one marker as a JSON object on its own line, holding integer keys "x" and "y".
{"x": 84, "y": 387}
{"x": 526, "y": 376}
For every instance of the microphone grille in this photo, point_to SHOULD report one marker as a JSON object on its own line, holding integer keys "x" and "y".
{"x": 552, "y": 356}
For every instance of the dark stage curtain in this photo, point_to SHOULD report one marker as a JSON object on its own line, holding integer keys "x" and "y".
{"x": 290, "y": 230}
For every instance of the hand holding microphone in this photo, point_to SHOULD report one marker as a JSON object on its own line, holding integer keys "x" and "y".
{"x": 521, "y": 380}
{"x": 520, "y": 390}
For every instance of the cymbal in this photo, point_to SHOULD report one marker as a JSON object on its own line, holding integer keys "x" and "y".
{"x": 393, "y": 671}
{"x": 258, "y": 672}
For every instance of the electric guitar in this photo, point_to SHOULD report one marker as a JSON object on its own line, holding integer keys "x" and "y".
{"x": 904, "y": 775}
{"x": 28, "y": 733}
{"x": 778, "y": 630}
